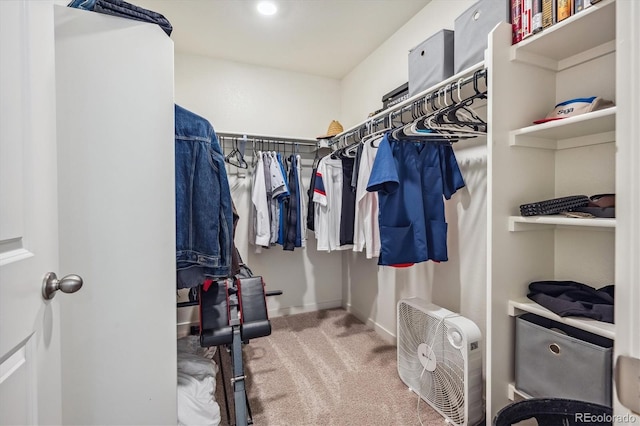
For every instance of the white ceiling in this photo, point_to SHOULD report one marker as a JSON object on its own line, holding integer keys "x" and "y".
{"x": 322, "y": 37}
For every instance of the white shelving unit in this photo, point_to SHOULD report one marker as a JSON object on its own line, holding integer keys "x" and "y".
{"x": 523, "y": 305}
{"x": 528, "y": 163}
{"x": 536, "y": 223}
{"x": 573, "y": 132}
{"x": 515, "y": 393}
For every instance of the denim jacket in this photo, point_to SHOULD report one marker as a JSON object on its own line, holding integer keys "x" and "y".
{"x": 204, "y": 218}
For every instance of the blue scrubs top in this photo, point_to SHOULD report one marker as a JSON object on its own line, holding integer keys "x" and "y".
{"x": 411, "y": 179}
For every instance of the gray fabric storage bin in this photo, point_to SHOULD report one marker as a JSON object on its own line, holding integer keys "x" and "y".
{"x": 559, "y": 361}
{"x": 472, "y": 29}
{"x": 431, "y": 61}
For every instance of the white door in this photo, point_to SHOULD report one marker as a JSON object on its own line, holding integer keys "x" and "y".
{"x": 30, "y": 390}
{"x": 86, "y": 187}
{"x": 116, "y": 204}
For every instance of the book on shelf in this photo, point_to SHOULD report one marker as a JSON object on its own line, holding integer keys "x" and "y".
{"x": 516, "y": 21}
{"x": 548, "y": 13}
{"x": 527, "y": 18}
{"x": 565, "y": 9}
{"x": 580, "y": 5}
{"x": 536, "y": 20}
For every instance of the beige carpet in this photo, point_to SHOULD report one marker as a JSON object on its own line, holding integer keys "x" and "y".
{"x": 326, "y": 368}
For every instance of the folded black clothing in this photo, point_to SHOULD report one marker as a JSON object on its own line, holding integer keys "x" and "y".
{"x": 554, "y": 205}
{"x": 570, "y": 298}
{"x": 597, "y": 211}
{"x": 127, "y": 10}
{"x": 600, "y": 205}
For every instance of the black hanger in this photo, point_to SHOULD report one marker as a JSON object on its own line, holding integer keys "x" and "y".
{"x": 349, "y": 151}
{"x": 449, "y": 115}
{"x": 316, "y": 156}
{"x": 375, "y": 126}
{"x": 236, "y": 157}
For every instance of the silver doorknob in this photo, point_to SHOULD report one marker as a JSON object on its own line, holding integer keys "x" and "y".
{"x": 67, "y": 284}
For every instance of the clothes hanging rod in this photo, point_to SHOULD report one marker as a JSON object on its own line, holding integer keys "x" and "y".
{"x": 258, "y": 138}
{"x": 451, "y": 83}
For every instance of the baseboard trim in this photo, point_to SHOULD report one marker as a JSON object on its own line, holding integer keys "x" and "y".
{"x": 312, "y": 307}
{"x": 382, "y": 331}
{"x": 183, "y": 329}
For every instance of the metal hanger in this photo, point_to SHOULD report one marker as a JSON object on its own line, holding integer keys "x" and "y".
{"x": 236, "y": 157}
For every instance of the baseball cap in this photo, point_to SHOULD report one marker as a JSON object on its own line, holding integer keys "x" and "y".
{"x": 574, "y": 107}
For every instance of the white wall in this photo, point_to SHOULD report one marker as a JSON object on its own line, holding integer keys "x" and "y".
{"x": 371, "y": 292}
{"x": 388, "y": 66}
{"x": 243, "y": 98}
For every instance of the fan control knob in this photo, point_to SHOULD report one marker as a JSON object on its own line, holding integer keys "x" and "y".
{"x": 455, "y": 338}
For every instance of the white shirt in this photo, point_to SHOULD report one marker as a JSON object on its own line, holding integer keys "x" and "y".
{"x": 277, "y": 188}
{"x": 366, "y": 227}
{"x": 327, "y": 197}
{"x": 259, "y": 201}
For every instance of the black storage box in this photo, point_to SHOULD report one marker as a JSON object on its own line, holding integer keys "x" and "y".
{"x": 555, "y": 360}
{"x": 431, "y": 62}
{"x": 396, "y": 96}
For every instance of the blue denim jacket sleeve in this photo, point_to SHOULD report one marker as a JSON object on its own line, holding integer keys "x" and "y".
{"x": 204, "y": 215}
{"x": 82, "y": 4}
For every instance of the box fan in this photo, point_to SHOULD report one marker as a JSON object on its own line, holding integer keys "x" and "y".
{"x": 440, "y": 359}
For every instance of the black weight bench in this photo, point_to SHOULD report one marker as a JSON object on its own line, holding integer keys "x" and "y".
{"x": 232, "y": 312}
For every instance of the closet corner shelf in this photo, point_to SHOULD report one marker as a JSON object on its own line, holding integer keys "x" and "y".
{"x": 582, "y": 130}
{"x": 536, "y": 223}
{"x": 579, "y": 38}
{"x": 515, "y": 392}
{"x": 522, "y": 305}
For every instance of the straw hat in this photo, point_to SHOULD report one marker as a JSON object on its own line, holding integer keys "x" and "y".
{"x": 334, "y": 128}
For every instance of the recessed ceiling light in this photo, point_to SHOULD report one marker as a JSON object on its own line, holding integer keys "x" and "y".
{"x": 267, "y": 8}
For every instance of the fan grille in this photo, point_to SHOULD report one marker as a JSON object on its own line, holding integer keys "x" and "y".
{"x": 442, "y": 388}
